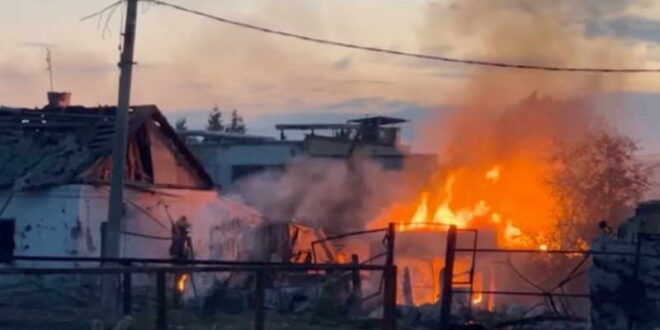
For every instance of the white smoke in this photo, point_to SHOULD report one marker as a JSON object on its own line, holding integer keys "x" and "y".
{"x": 336, "y": 195}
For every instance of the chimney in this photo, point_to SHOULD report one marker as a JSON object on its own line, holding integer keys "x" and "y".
{"x": 59, "y": 99}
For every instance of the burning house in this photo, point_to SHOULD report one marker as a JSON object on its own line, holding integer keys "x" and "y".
{"x": 54, "y": 178}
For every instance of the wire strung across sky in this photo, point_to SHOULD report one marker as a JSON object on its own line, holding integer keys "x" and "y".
{"x": 388, "y": 51}
{"x": 401, "y": 53}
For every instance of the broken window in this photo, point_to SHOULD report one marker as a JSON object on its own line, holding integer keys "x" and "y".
{"x": 7, "y": 243}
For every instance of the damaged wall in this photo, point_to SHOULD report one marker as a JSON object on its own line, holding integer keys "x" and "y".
{"x": 66, "y": 221}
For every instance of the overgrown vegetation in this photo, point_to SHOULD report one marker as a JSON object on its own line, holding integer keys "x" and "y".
{"x": 597, "y": 179}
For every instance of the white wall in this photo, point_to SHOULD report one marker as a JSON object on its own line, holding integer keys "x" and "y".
{"x": 66, "y": 221}
{"x": 48, "y": 222}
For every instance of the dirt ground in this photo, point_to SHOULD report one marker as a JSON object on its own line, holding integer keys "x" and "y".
{"x": 54, "y": 318}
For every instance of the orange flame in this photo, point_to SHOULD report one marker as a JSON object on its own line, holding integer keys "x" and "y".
{"x": 509, "y": 199}
{"x": 478, "y": 298}
{"x": 181, "y": 283}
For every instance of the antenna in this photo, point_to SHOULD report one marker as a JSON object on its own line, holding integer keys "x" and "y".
{"x": 49, "y": 62}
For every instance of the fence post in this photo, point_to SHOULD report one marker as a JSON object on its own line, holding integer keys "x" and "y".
{"x": 447, "y": 279}
{"x": 259, "y": 300}
{"x": 389, "y": 301}
{"x": 391, "y": 233}
{"x": 356, "y": 296}
{"x": 127, "y": 287}
{"x": 389, "y": 276}
{"x": 161, "y": 301}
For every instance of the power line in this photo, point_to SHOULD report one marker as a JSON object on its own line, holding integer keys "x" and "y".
{"x": 400, "y": 53}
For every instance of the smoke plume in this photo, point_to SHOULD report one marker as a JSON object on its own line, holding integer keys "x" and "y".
{"x": 335, "y": 195}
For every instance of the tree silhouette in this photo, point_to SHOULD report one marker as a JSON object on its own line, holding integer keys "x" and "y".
{"x": 214, "y": 122}
{"x": 237, "y": 124}
{"x": 180, "y": 125}
{"x": 595, "y": 180}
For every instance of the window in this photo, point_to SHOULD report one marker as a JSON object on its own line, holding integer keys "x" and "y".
{"x": 7, "y": 243}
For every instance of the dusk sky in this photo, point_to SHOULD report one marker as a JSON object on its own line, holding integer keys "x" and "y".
{"x": 187, "y": 64}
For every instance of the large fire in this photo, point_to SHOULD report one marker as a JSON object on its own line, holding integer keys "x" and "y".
{"x": 508, "y": 200}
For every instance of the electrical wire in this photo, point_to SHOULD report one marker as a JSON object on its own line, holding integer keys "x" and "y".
{"x": 399, "y": 53}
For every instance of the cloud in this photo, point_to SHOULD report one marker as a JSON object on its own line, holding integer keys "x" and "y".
{"x": 365, "y": 81}
{"x": 196, "y": 85}
{"x": 637, "y": 28}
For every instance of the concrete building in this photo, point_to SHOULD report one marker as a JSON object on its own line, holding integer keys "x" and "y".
{"x": 229, "y": 157}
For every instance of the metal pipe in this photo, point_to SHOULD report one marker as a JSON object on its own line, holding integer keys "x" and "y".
{"x": 447, "y": 279}
{"x": 391, "y": 235}
{"x": 161, "y": 301}
{"x": 389, "y": 288}
{"x": 389, "y": 301}
{"x": 472, "y": 271}
{"x": 150, "y": 261}
{"x": 612, "y": 253}
{"x": 356, "y": 281}
{"x": 523, "y": 293}
{"x": 127, "y": 294}
{"x": 201, "y": 269}
{"x": 260, "y": 288}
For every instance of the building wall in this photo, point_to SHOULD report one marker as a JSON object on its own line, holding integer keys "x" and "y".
{"x": 227, "y": 163}
{"x": 66, "y": 221}
{"x": 223, "y": 161}
{"x": 48, "y": 222}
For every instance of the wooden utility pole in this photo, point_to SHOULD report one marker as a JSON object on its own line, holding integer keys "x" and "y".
{"x": 115, "y": 208}
{"x": 112, "y": 246}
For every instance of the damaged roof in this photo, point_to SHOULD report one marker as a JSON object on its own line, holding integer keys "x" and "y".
{"x": 40, "y": 147}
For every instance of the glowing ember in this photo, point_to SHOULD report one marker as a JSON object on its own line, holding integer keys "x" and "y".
{"x": 181, "y": 283}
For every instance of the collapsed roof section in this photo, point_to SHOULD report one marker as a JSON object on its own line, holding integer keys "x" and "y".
{"x": 52, "y": 146}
